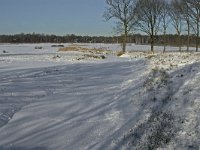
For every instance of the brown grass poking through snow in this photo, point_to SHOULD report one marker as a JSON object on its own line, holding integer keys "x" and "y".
{"x": 83, "y": 49}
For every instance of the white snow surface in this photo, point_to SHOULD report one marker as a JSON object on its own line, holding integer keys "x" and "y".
{"x": 50, "y": 100}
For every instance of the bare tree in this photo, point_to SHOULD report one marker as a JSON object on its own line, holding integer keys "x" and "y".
{"x": 149, "y": 17}
{"x": 187, "y": 18}
{"x": 124, "y": 12}
{"x": 165, "y": 20}
{"x": 194, "y": 8}
{"x": 176, "y": 17}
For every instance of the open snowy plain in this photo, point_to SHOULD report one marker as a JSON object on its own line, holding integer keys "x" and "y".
{"x": 93, "y": 99}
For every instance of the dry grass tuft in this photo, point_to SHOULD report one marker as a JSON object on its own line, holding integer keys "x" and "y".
{"x": 83, "y": 49}
{"x": 149, "y": 56}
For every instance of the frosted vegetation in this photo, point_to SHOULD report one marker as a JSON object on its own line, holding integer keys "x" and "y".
{"x": 87, "y": 96}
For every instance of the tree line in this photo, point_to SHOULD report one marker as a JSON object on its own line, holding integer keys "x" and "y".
{"x": 168, "y": 39}
{"x": 45, "y": 38}
{"x": 154, "y": 17}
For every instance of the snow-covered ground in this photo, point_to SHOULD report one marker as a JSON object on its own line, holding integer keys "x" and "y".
{"x": 53, "y": 100}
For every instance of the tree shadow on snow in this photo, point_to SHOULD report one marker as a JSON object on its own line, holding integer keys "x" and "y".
{"x": 162, "y": 125}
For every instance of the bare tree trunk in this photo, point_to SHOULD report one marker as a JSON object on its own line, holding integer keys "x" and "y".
{"x": 188, "y": 38}
{"x": 152, "y": 43}
{"x": 179, "y": 41}
{"x": 187, "y": 18}
{"x": 197, "y": 45}
{"x": 125, "y": 36}
{"x": 124, "y": 43}
{"x": 197, "y": 37}
{"x": 164, "y": 40}
{"x": 179, "y": 34}
{"x": 152, "y": 39}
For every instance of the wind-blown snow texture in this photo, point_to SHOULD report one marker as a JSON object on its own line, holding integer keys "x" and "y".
{"x": 117, "y": 103}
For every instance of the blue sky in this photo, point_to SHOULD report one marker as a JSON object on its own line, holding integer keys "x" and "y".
{"x": 61, "y": 17}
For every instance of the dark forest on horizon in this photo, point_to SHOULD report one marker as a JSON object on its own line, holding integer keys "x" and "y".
{"x": 171, "y": 39}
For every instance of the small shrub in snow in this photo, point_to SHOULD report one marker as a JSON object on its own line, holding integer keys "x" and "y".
{"x": 55, "y": 57}
{"x": 91, "y": 56}
{"x": 102, "y": 57}
{"x": 4, "y": 51}
{"x": 38, "y": 47}
{"x": 95, "y": 56}
{"x": 180, "y": 75}
{"x": 57, "y": 45}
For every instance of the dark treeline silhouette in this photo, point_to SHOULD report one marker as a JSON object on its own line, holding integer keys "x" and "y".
{"x": 136, "y": 38}
{"x": 45, "y": 38}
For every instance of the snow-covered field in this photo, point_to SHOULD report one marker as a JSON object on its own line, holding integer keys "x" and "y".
{"x": 56, "y": 100}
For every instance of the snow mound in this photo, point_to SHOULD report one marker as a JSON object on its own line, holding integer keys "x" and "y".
{"x": 126, "y": 55}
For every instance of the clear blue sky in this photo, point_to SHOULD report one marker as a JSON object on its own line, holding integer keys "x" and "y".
{"x": 61, "y": 17}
